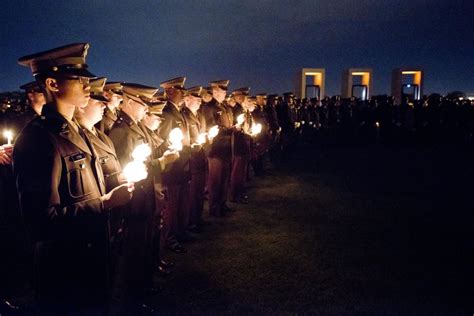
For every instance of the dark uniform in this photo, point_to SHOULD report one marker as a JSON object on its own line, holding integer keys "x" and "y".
{"x": 240, "y": 151}
{"x": 138, "y": 247}
{"x": 110, "y": 115}
{"x": 60, "y": 185}
{"x": 176, "y": 179}
{"x": 197, "y": 164}
{"x": 58, "y": 179}
{"x": 219, "y": 153}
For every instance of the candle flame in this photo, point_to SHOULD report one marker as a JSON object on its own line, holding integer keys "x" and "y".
{"x": 240, "y": 119}
{"x": 213, "y": 132}
{"x": 135, "y": 171}
{"x": 8, "y": 134}
{"x": 256, "y": 129}
{"x": 201, "y": 138}
{"x": 176, "y": 139}
{"x": 141, "y": 152}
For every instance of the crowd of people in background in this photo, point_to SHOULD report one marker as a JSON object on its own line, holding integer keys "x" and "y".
{"x": 96, "y": 231}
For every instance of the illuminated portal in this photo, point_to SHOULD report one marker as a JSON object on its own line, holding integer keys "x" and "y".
{"x": 357, "y": 83}
{"x": 407, "y": 82}
{"x": 310, "y": 83}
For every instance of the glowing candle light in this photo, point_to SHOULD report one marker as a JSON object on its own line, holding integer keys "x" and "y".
{"x": 240, "y": 119}
{"x": 9, "y": 136}
{"x": 135, "y": 171}
{"x": 141, "y": 152}
{"x": 377, "y": 124}
{"x": 176, "y": 139}
{"x": 256, "y": 129}
{"x": 213, "y": 132}
{"x": 201, "y": 139}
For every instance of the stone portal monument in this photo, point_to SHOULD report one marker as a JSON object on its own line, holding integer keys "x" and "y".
{"x": 407, "y": 82}
{"x": 357, "y": 82}
{"x": 310, "y": 83}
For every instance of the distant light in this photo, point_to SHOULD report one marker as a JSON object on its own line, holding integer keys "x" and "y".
{"x": 359, "y": 73}
{"x": 410, "y": 72}
{"x": 408, "y": 85}
{"x": 312, "y": 73}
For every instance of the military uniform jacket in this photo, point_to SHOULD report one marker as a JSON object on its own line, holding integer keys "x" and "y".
{"x": 242, "y": 140}
{"x": 60, "y": 184}
{"x": 107, "y": 157}
{"x": 126, "y": 135}
{"x": 285, "y": 117}
{"x": 258, "y": 116}
{"x": 272, "y": 117}
{"x": 178, "y": 171}
{"x": 197, "y": 126}
{"x": 218, "y": 114}
{"x": 158, "y": 147}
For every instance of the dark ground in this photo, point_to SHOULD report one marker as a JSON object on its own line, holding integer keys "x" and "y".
{"x": 340, "y": 231}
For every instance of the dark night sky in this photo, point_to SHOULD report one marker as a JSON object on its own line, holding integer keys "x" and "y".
{"x": 259, "y": 43}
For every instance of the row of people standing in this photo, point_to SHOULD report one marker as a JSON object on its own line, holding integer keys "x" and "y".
{"x": 432, "y": 119}
{"x": 97, "y": 232}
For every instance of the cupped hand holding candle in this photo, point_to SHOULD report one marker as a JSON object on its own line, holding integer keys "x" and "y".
{"x": 135, "y": 171}
{"x": 213, "y": 132}
{"x": 240, "y": 119}
{"x": 256, "y": 129}
{"x": 201, "y": 138}
{"x": 176, "y": 139}
{"x": 5, "y": 158}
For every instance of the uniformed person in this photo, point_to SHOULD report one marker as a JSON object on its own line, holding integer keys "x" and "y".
{"x": 261, "y": 142}
{"x": 61, "y": 188}
{"x": 138, "y": 249}
{"x": 198, "y": 160}
{"x": 216, "y": 113}
{"x": 240, "y": 146}
{"x": 36, "y": 101}
{"x": 176, "y": 179}
{"x": 160, "y": 153}
{"x": 113, "y": 94}
{"x": 87, "y": 118}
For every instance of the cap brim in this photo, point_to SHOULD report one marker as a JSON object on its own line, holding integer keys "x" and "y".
{"x": 99, "y": 98}
{"x": 75, "y": 73}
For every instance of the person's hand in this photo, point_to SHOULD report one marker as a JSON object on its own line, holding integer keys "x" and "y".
{"x": 196, "y": 147}
{"x": 6, "y": 154}
{"x": 120, "y": 195}
{"x": 168, "y": 157}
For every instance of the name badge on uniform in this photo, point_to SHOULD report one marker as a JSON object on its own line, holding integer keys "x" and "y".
{"x": 77, "y": 157}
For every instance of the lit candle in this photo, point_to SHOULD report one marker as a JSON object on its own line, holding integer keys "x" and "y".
{"x": 176, "y": 139}
{"x": 135, "y": 171}
{"x": 9, "y": 136}
{"x": 213, "y": 132}
{"x": 377, "y": 124}
{"x": 201, "y": 139}
{"x": 240, "y": 119}
{"x": 141, "y": 152}
{"x": 256, "y": 129}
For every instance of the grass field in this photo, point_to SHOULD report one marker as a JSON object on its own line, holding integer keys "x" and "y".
{"x": 339, "y": 231}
